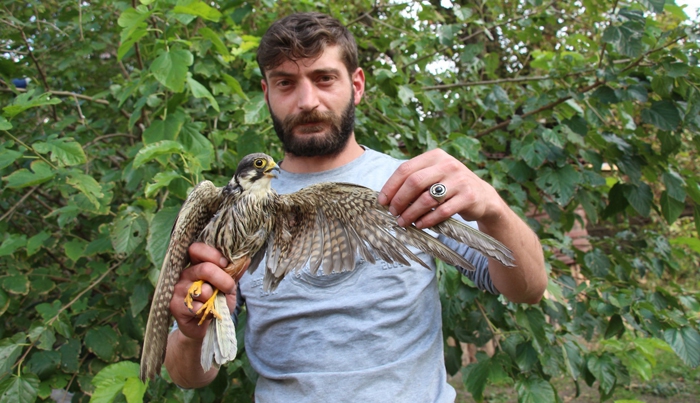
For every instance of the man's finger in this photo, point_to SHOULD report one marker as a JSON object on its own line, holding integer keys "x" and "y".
{"x": 211, "y": 274}
{"x": 200, "y": 252}
{"x": 397, "y": 179}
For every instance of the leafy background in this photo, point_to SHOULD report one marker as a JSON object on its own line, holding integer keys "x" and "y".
{"x": 580, "y": 113}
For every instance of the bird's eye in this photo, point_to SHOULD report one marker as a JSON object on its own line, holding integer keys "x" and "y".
{"x": 259, "y": 163}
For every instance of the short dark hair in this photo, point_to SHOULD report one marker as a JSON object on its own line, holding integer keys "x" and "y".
{"x": 305, "y": 36}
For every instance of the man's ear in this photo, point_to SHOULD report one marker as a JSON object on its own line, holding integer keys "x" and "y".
{"x": 263, "y": 84}
{"x": 358, "y": 84}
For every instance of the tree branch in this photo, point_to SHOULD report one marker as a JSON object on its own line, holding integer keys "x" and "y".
{"x": 550, "y": 105}
{"x": 38, "y": 67}
{"x": 14, "y": 207}
{"x": 63, "y": 94}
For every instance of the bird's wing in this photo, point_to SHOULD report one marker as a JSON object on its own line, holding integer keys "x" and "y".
{"x": 194, "y": 215}
{"x": 328, "y": 224}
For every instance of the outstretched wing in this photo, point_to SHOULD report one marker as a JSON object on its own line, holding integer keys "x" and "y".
{"x": 328, "y": 224}
{"x": 194, "y": 215}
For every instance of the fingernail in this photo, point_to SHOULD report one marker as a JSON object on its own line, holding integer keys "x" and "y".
{"x": 392, "y": 210}
{"x": 223, "y": 262}
{"x": 400, "y": 221}
{"x": 382, "y": 199}
{"x": 419, "y": 224}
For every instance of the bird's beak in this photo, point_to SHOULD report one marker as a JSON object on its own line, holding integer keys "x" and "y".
{"x": 272, "y": 170}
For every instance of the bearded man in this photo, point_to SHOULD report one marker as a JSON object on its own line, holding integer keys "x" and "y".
{"x": 372, "y": 334}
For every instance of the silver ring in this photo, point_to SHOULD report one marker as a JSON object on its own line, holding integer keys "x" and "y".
{"x": 438, "y": 192}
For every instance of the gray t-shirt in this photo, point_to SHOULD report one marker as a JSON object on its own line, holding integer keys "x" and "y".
{"x": 373, "y": 334}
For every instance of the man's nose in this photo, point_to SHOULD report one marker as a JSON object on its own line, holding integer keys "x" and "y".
{"x": 307, "y": 96}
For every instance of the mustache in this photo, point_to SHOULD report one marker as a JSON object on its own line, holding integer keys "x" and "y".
{"x": 310, "y": 117}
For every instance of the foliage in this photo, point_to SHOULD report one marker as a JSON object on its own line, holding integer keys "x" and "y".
{"x": 582, "y": 112}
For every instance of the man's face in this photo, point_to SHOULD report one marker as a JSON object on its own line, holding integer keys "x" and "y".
{"x": 312, "y": 103}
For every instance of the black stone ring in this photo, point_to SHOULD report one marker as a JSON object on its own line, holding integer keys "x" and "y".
{"x": 438, "y": 192}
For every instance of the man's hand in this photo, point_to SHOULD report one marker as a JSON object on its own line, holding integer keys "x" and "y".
{"x": 207, "y": 264}
{"x": 182, "y": 356}
{"x": 406, "y": 192}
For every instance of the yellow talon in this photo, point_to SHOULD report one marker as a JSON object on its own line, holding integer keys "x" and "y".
{"x": 194, "y": 291}
{"x": 208, "y": 308}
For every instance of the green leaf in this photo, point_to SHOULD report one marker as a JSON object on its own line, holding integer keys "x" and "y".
{"x": 662, "y": 85}
{"x": 217, "y": 42}
{"x": 150, "y": 152}
{"x": 604, "y": 369}
{"x": 197, "y": 144}
{"x": 40, "y": 172}
{"x": 640, "y": 198}
{"x": 686, "y": 343}
{"x": 129, "y": 42}
{"x": 662, "y": 114}
{"x": 75, "y": 249}
{"x": 64, "y": 151}
{"x": 168, "y": 129}
{"x": 534, "y": 321}
{"x": 159, "y": 234}
{"x": 255, "y": 110}
{"x": 692, "y": 243}
{"x": 12, "y": 243}
{"x": 8, "y": 157}
{"x": 561, "y": 183}
{"x": 170, "y": 68}
{"x": 16, "y": 284}
{"x": 35, "y": 242}
{"x": 671, "y": 208}
{"x": 134, "y": 390}
{"x": 16, "y": 389}
{"x": 86, "y": 185}
{"x": 200, "y": 91}
{"x": 26, "y": 100}
{"x": 535, "y": 390}
{"x": 4, "y": 304}
{"x": 5, "y": 124}
{"x": 128, "y": 231}
{"x": 103, "y": 342}
{"x": 475, "y": 377}
{"x": 133, "y": 17}
{"x": 615, "y": 328}
{"x": 674, "y": 185}
{"x": 161, "y": 180}
{"x": 234, "y": 85}
{"x": 405, "y": 94}
{"x": 656, "y": 6}
{"x": 199, "y": 9}
{"x": 113, "y": 379}
{"x": 139, "y": 297}
{"x": 9, "y": 352}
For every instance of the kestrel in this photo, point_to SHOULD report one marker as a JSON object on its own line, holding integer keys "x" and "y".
{"x": 326, "y": 227}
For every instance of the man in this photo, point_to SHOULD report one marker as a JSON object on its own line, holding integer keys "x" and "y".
{"x": 374, "y": 333}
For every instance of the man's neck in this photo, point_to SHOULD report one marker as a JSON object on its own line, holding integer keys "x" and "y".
{"x": 305, "y": 165}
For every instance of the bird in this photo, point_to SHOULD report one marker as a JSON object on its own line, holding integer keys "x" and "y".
{"x": 324, "y": 227}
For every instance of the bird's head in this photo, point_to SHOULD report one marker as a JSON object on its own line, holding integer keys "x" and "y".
{"x": 255, "y": 171}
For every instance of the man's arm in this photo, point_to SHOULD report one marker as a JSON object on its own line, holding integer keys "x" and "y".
{"x": 182, "y": 356}
{"x": 475, "y": 200}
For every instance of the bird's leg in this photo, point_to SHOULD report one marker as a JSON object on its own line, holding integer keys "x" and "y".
{"x": 194, "y": 291}
{"x": 234, "y": 269}
{"x": 208, "y": 308}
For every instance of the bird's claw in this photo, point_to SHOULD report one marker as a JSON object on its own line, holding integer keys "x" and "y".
{"x": 194, "y": 291}
{"x": 208, "y": 308}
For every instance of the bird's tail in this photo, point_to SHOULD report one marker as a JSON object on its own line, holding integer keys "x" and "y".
{"x": 219, "y": 345}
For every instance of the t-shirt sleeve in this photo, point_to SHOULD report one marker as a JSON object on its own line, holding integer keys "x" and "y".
{"x": 481, "y": 276}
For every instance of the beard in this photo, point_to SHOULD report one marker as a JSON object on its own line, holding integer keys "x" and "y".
{"x": 313, "y": 142}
